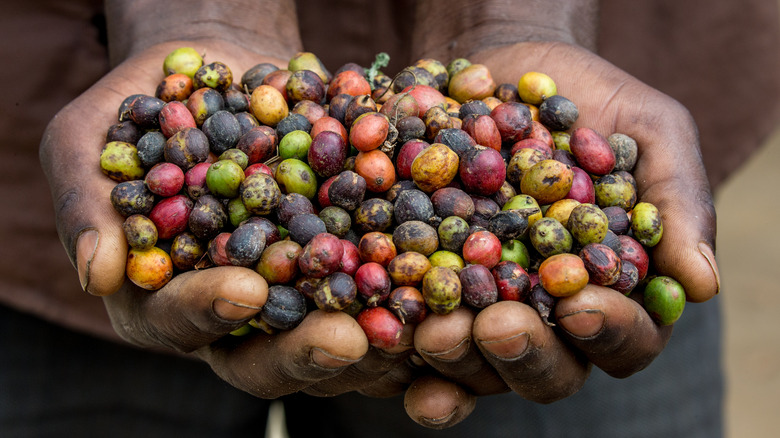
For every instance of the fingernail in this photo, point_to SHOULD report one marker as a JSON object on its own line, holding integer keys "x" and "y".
{"x": 453, "y": 354}
{"x": 86, "y": 247}
{"x": 417, "y": 361}
{"x": 438, "y": 423}
{"x": 706, "y": 251}
{"x": 583, "y": 324}
{"x": 508, "y": 348}
{"x": 233, "y": 311}
{"x": 326, "y": 360}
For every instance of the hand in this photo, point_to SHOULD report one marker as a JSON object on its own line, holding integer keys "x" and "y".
{"x": 506, "y": 346}
{"x": 194, "y": 312}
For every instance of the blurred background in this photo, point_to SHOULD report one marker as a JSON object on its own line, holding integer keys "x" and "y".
{"x": 748, "y": 254}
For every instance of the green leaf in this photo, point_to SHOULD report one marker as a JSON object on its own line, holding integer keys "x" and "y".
{"x": 382, "y": 60}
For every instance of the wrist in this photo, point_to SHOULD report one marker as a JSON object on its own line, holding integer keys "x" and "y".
{"x": 268, "y": 28}
{"x": 462, "y": 28}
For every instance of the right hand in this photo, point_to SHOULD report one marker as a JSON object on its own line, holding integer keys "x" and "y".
{"x": 195, "y": 311}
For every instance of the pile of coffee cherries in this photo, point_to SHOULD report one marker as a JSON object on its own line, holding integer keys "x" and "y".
{"x": 385, "y": 197}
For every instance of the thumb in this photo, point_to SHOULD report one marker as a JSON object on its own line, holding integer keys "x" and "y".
{"x": 686, "y": 252}
{"x": 89, "y": 227}
{"x": 678, "y": 187}
{"x": 437, "y": 403}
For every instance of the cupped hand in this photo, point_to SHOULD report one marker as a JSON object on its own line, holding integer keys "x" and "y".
{"x": 195, "y": 311}
{"x": 507, "y": 346}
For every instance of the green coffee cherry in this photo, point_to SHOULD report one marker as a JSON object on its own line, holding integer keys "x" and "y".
{"x": 224, "y": 177}
{"x": 550, "y": 237}
{"x": 646, "y": 224}
{"x": 441, "y": 290}
{"x": 119, "y": 161}
{"x": 588, "y": 224}
{"x": 185, "y": 60}
{"x": 664, "y": 300}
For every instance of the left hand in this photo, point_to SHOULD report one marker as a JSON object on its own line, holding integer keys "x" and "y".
{"x": 506, "y": 346}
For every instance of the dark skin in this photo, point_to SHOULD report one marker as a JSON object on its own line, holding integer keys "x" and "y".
{"x": 329, "y": 354}
{"x": 601, "y": 324}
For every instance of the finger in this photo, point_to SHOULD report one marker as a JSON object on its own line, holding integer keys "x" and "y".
{"x": 194, "y": 309}
{"x": 70, "y": 149}
{"x": 87, "y": 224}
{"x": 527, "y": 353}
{"x": 437, "y": 403}
{"x": 669, "y": 171}
{"x": 270, "y": 366}
{"x": 612, "y": 330}
{"x": 373, "y": 367}
{"x": 445, "y": 342}
{"x": 679, "y": 188}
